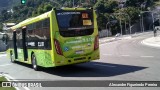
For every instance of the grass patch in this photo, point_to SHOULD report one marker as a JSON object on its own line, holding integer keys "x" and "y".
{"x": 2, "y": 79}
{"x": 2, "y": 52}
{"x": 157, "y": 3}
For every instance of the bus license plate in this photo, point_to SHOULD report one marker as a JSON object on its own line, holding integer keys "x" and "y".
{"x": 79, "y": 52}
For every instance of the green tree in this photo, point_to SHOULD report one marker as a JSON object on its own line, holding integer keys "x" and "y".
{"x": 128, "y": 13}
{"x": 1, "y": 26}
{"x": 40, "y": 10}
{"x": 99, "y": 6}
{"x": 48, "y": 7}
{"x": 110, "y": 6}
{"x": 104, "y": 8}
{"x": 135, "y": 3}
{"x": 102, "y": 21}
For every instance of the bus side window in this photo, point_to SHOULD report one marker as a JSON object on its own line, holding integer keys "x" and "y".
{"x": 30, "y": 31}
{"x": 46, "y": 33}
{"x": 46, "y": 23}
{"x": 46, "y": 28}
{"x": 38, "y": 29}
{"x": 19, "y": 38}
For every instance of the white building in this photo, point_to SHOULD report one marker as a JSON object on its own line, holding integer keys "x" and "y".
{"x": 7, "y": 26}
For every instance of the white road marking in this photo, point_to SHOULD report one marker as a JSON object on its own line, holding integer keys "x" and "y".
{"x": 107, "y": 54}
{"x": 3, "y": 55}
{"x": 9, "y": 77}
{"x": 125, "y": 55}
{"x": 150, "y": 44}
{"x": 5, "y": 65}
{"x": 9, "y": 80}
{"x": 104, "y": 44}
{"x": 146, "y": 56}
{"x": 104, "y": 65}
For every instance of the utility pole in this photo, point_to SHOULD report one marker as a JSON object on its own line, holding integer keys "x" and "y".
{"x": 125, "y": 27}
{"x": 142, "y": 6}
{"x": 108, "y": 28}
{"x": 73, "y": 3}
{"x": 142, "y": 23}
{"x": 121, "y": 26}
{"x": 159, "y": 17}
{"x": 153, "y": 20}
{"x": 130, "y": 25}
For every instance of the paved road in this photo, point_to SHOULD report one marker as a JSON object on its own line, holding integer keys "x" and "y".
{"x": 120, "y": 60}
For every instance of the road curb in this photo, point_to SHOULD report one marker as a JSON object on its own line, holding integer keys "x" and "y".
{"x": 144, "y": 42}
{"x": 114, "y": 39}
{"x": 105, "y": 41}
{"x": 2, "y": 52}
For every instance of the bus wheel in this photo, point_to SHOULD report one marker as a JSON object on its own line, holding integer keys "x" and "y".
{"x": 11, "y": 57}
{"x": 34, "y": 63}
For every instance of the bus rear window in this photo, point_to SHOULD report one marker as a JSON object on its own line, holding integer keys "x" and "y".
{"x": 75, "y": 23}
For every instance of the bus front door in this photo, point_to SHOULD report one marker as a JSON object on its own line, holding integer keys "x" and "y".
{"x": 15, "y": 45}
{"x": 24, "y": 46}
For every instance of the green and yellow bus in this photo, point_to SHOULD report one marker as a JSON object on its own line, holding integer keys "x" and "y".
{"x": 56, "y": 38}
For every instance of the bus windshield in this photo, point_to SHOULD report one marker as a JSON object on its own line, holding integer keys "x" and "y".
{"x": 75, "y": 23}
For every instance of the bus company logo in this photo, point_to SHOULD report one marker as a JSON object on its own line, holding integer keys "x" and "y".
{"x": 31, "y": 43}
{"x": 66, "y": 49}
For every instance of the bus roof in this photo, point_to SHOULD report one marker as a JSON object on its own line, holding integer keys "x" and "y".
{"x": 31, "y": 20}
{"x": 41, "y": 17}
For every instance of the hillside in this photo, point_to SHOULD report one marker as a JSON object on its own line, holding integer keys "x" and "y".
{"x": 30, "y": 9}
{"x": 105, "y": 9}
{"x": 8, "y": 4}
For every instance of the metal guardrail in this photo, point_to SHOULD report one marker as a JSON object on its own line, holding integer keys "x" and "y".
{"x": 104, "y": 33}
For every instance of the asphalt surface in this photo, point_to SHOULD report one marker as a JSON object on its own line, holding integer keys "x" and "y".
{"x": 126, "y": 60}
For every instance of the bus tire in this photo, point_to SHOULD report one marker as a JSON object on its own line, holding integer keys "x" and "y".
{"x": 34, "y": 63}
{"x": 11, "y": 57}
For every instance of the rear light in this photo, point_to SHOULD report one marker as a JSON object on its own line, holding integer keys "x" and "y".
{"x": 57, "y": 46}
{"x": 96, "y": 43}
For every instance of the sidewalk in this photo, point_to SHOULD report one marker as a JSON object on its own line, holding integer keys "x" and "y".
{"x": 3, "y": 52}
{"x": 111, "y": 39}
{"x": 153, "y": 41}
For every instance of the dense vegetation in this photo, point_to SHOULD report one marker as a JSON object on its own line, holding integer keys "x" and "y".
{"x": 108, "y": 10}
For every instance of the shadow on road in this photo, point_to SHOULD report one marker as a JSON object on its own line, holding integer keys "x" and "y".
{"x": 93, "y": 69}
